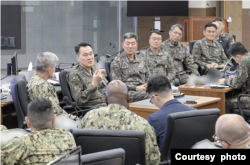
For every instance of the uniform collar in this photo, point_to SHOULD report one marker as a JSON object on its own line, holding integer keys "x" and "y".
{"x": 160, "y": 52}
{"x": 114, "y": 108}
{"x": 223, "y": 34}
{"x": 205, "y": 41}
{"x": 128, "y": 60}
{"x": 79, "y": 67}
{"x": 172, "y": 45}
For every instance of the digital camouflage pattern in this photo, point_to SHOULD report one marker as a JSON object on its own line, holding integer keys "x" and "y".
{"x": 228, "y": 37}
{"x": 205, "y": 53}
{"x": 132, "y": 73}
{"x": 37, "y": 148}
{"x": 118, "y": 117}
{"x": 3, "y": 128}
{"x": 180, "y": 55}
{"x": 241, "y": 79}
{"x": 39, "y": 88}
{"x": 82, "y": 90}
{"x": 159, "y": 63}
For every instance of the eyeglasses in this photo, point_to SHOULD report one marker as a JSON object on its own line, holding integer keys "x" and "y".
{"x": 154, "y": 39}
{"x": 176, "y": 33}
{"x": 217, "y": 139}
{"x": 151, "y": 99}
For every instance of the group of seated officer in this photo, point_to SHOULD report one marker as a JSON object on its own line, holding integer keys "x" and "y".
{"x": 135, "y": 77}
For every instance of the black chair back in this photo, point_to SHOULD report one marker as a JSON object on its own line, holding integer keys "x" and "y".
{"x": 64, "y": 84}
{"x": 184, "y": 129}
{"x": 191, "y": 45}
{"x": 133, "y": 142}
{"x": 20, "y": 98}
{"x": 107, "y": 68}
{"x": 110, "y": 157}
{"x": 234, "y": 36}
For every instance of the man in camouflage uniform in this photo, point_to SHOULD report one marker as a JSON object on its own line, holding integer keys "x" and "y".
{"x": 44, "y": 144}
{"x": 241, "y": 77}
{"x": 130, "y": 68}
{"x": 158, "y": 61}
{"x": 3, "y": 128}
{"x": 208, "y": 52}
{"x": 117, "y": 117}
{"x": 224, "y": 35}
{"x": 179, "y": 53}
{"x": 87, "y": 85}
{"x": 232, "y": 132}
{"x": 38, "y": 87}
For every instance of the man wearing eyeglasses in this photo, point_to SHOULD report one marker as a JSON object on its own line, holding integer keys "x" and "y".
{"x": 158, "y": 61}
{"x": 180, "y": 54}
{"x": 161, "y": 95}
{"x": 232, "y": 132}
{"x": 208, "y": 52}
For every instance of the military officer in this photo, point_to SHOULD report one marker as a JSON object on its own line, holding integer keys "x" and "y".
{"x": 116, "y": 116}
{"x": 86, "y": 82}
{"x": 44, "y": 144}
{"x": 130, "y": 68}
{"x": 241, "y": 77}
{"x": 179, "y": 53}
{"x": 158, "y": 61}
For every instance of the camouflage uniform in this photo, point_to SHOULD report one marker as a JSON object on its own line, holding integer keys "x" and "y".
{"x": 241, "y": 79}
{"x": 228, "y": 37}
{"x": 159, "y": 63}
{"x": 180, "y": 54}
{"x": 3, "y": 128}
{"x": 247, "y": 146}
{"x": 117, "y": 117}
{"x": 37, "y": 148}
{"x": 39, "y": 88}
{"x": 132, "y": 73}
{"x": 205, "y": 53}
{"x": 82, "y": 90}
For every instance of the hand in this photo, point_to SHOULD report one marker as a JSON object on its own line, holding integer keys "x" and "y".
{"x": 214, "y": 65}
{"x": 208, "y": 65}
{"x": 73, "y": 117}
{"x": 141, "y": 87}
{"x": 231, "y": 77}
{"x": 221, "y": 81}
{"x": 97, "y": 77}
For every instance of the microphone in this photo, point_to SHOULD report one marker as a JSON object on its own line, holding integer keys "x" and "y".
{"x": 58, "y": 67}
{"x": 114, "y": 45}
{"x": 74, "y": 105}
{"x": 110, "y": 44}
{"x": 13, "y": 73}
{"x": 66, "y": 100}
{"x": 211, "y": 8}
{"x": 223, "y": 70}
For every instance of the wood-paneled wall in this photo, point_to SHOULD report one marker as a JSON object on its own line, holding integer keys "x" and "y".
{"x": 246, "y": 28}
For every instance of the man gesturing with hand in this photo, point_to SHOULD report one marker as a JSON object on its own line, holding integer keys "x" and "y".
{"x": 87, "y": 84}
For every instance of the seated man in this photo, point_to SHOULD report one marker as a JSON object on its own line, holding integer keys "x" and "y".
{"x": 232, "y": 132}
{"x": 208, "y": 52}
{"x": 3, "y": 128}
{"x": 44, "y": 143}
{"x": 161, "y": 95}
{"x": 87, "y": 85}
{"x": 158, "y": 60}
{"x": 241, "y": 77}
{"x": 116, "y": 113}
{"x": 131, "y": 69}
{"x": 38, "y": 87}
{"x": 179, "y": 53}
{"x": 224, "y": 35}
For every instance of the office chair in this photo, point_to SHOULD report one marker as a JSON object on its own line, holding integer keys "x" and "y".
{"x": 245, "y": 113}
{"x": 107, "y": 68}
{"x": 20, "y": 98}
{"x": 66, "y": 92}
{"x": 184, "y": 129}
{"x": 94, "y": 140}
{"x": 109, "y": 157}
{"x": 201, "y": 69}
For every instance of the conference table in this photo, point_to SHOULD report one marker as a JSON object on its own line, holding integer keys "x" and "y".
{"x": 201, "y": 90}
{"x": 145, "y": 108}
{"x": 8, "y": 102}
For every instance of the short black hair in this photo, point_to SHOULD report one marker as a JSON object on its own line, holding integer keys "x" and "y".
{"x": 237, "y": 49}
{"x": 210, "y": 24}
{"x": 83, "y": 44}
{"x": 40, "y": 113}
{"x": 219, "y": 19}
{"x": 154, "y": 31}
{"x": 158, "y": 84}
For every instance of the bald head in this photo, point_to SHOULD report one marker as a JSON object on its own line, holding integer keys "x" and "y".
{"x": 233, "y": 129}
{"x": 117, "y": 93}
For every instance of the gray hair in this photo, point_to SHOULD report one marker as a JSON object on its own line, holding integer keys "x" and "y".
{"x": 129, "y": 35}
{"x": 219, "y": 19}
{"x": 177, "y": 25}
{"x": 45, "y": 60}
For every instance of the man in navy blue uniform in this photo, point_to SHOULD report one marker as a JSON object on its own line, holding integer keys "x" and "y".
{"x": 161, "y": 95}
